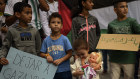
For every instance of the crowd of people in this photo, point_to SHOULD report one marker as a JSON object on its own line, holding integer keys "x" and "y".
{"x": 22, "y": 20}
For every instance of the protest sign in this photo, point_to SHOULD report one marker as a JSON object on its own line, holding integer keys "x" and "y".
{"x": 128, "y": 42}
{"x": 23, "y": 65}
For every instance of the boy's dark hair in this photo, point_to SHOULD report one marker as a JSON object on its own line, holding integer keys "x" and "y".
{"x": 19, "y": 6}
{"x": 80, "y": 44}
{"x": 115, "y": 3}
{"x": 5, "y": 1}
{"x": 55, "y": 15}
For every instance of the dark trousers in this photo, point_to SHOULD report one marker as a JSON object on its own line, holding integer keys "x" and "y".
{"x": 137, "y": 65}
{"x": 63, "y": 75}
{"x": 104, "y": 59}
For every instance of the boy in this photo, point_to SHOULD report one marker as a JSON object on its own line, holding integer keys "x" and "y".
{"x": 57, "y": 49}
{"x": 22, "y": 37}
{"x": 122, "y": 25}
{"x": 35, "y": 22}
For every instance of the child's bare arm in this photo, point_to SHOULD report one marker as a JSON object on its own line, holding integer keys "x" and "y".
{"x": 58, "y": 61}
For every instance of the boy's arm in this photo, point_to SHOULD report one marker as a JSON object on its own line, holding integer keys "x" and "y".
{"x": 10, "y": 20}
{"x": 38, "y": 42}
{"x": 6, "y": 44}
{"x": 66, "y": 57}
{"x": 43, "y": 5}
{"x": 136, "y": 27}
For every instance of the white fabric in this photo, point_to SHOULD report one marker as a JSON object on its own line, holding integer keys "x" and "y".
{"x": 45, "y": 15}
{"x": 107, "y": 14}
{"x": 10, "y": 5}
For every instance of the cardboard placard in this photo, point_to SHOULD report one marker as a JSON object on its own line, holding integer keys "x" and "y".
{"x": 23, "y": 65}
{"x": 128, "y": 42}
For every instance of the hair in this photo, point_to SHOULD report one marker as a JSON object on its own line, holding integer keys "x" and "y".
{"x": 5, "y": 1}
{"x": 80, "y": 44}
{"x": 19, "y": 6}
{"x": 115, "y": 3}
{"x": 78, "y": 9}
{"x": 55, "y": 15}
{"x": 99, "y": 59}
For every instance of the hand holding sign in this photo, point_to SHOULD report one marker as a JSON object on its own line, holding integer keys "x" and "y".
{"x": 26, "y": 66}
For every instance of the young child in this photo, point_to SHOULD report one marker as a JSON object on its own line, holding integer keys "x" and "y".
{"x": 23, "y": 37}
{"x": 84, "y": 25}
{"x": 81, "y": 48}
{"x": 124, "y": 60}
{"x": 57, "y": 49}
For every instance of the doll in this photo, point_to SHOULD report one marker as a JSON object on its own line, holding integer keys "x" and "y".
{"x": 95, "y": 60}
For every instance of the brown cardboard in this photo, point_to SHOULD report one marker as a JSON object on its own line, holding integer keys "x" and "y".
{"x": 128, "y": 42}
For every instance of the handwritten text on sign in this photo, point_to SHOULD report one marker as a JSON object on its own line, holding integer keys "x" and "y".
{"x": 26, "y": 66}
{"x": 119, "y": 42}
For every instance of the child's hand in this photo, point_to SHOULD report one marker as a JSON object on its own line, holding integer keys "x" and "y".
{"x": 4, "y": 29}
{"x": 4, "y": 61}
{"x": 79, "y": 72}
{"x": 97, "y": 67}
{"x": 49, "y": 59}
{"x": 57, "y": 62}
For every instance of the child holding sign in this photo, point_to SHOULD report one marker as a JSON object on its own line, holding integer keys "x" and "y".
{"x": 122, "y": 25}
{"x": 57, "y": 49}
{"x": 22, "y": 36}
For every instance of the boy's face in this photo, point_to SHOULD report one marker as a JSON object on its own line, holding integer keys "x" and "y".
{"x": 121, "y": 9}
{"x": 2, "y": 6}
{"x": 88, "y": 4}
{"x": 55, "y": 24}
{"x": 82, "y": 53}
{"x": 26, "y": 15}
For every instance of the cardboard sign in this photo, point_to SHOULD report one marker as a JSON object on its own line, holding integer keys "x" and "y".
{"x": 23, "y": 65}
{"x": 126, "y": 42}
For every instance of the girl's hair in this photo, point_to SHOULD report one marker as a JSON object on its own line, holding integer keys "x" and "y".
{"x": 78, "y": 9}
{"x": 55, "y": 15}
{"x": 80, "y": 44}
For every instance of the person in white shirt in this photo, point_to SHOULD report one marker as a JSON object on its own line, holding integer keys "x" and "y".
{"x": 53, "y": 5}
{"x": 11, "y": 19}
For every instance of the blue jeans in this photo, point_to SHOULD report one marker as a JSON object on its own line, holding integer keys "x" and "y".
{"x": 63, "y": 75}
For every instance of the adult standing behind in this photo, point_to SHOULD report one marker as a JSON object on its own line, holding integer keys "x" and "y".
{"x": 45, "y": 15}
{"x": 11, "y": 19}
{"x": 122, "y": 25}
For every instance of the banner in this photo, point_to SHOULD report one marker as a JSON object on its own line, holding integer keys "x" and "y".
{"x": 128, "y": 42}
{"x": 23, "y": 65}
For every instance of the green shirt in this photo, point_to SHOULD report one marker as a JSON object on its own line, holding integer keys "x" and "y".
{"x": 128, "y": 26}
